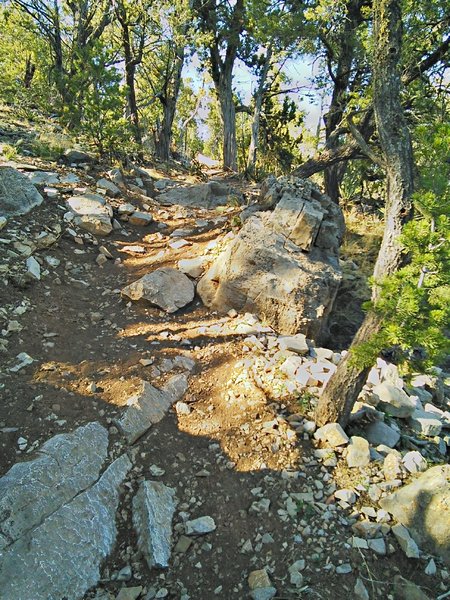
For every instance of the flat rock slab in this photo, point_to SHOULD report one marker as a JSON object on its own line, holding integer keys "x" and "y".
{"x": 17, "y": 194}
{"x": 167, "y": 288}
{"x": 153, "y": 510}
{"x": 149, "y": 406}
{"x": 423, "y": 507}
{"x": 89, "y": 204}
{"x": 61, "y": 557}
{"x": 31, "y": 491}
{"x": 202, "y": 195}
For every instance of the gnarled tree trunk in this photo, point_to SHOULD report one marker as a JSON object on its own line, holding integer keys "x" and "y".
{"x": 344, "y": 387}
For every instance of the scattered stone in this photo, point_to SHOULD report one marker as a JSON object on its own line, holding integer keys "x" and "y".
{"x": 260, "y": 585}
{"x": 149, "y": 406}
{"x": 378, "y": 545}
{"x": 183, "y": 545}
{"x": 3, "y": 221}
{"x": 424, "y": 507}
{"x": 294, "y": 343}
{"x": 140, "y": 218}
{"x": 425, "y": 423}
{"x": 200, "y": 526}
{"x": 407, "y": 590}
{"x": 348, "y": 496}
{"x": 110, "y": 187}
{"x": 360, "y": 590}
{"x": 431, "y": 568}
{"x": 153, "y": 509}
{"x": 95, "y": 224}
{"x": 344, "y": 569}
{"x": 414, "y": 462}
{"x": 131, "y": 593}
{"x": 295, "y": 575}
{"x": 379, "y": 433}
{"x": 392, "y": 466}
{"x": 407, "y": 544}
{"x": 333, "y": 434}
{"x": 167, "y": 288}
{"x": 126, "y": 209}
{"x": 193, "y": 267}
{"x": 24, "y": 360}
{"x": 358, "y": 452}
{"x": 17, "y": 194}
{"x": 34, "y": 268}
{"x": 89, "y": 204}
{"x": 394, "y": 401}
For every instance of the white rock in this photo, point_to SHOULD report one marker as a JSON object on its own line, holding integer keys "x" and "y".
{"x": 358, "y": 452}
{"x": 407, "y": 544}
{"x": 295, "y": 343}
{"x": 414, "y": 462}
{"x": 200, "y": 526}
{"x": 348, "y": 496}
{"x": 394, "y": 401}
{"x": 34, "y": 268}
{"x": 333, "y": 434}
{"x": 431, "y": 568}
{"x": 193, "y": 267}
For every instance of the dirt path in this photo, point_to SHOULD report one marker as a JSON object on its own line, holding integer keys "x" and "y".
{"x": 229, "y": 452}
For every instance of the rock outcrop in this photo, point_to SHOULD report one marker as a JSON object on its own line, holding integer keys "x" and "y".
{"x": 283, "y": 265}
{"x": 424, "y": 507}
{"x": 17, "y": 194}
{"x": 58, "y": 517}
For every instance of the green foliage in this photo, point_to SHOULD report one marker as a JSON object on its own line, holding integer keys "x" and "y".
{"x": 414, "y": 302}
{"x": 101, "y": 102}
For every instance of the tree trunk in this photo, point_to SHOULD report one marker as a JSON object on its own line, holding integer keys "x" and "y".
{"x": 228, "y": 115}
{"x": 338, "y": 398}
{"x": 345, "y": 385}
{"x": 253, "y": 148}
{"x": 169, "y": 100}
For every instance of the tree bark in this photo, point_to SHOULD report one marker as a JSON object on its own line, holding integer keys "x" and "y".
{"x": 345, "y": 385}
{"x": 259, "y": 95}
{"x": 169, "y": 98}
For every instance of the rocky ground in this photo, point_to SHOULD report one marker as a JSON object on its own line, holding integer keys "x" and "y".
{"x": 163, "y": 450}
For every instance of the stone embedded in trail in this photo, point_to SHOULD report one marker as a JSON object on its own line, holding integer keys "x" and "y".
{"x": 61, "y": 557}
{"x": 31, "y": 491}
{"x": 89, "y": 204}
{"x": 153, "y": 508}
{"x": 193, "y": 267}
{"x": 110, "y": 187}
{"x": 201, "y": 195}
{"x": 424, "y": 507}
{"x": 200, "y": 526}
{"x": 149, "y": 406}
{"x": 394, "y": 401}
{"x": 95, "y": 224}
{"x": 407, "y": 590}
{"x": 407, "y": 544}
{"x": 17, "y": 194}
{"x": 263, "y": 271}
{"x": 333, "y": 434}
{"x": 380, "y": 433}
{"x": 140, "y": 218}
{"x": 167, "y": 288}
{"x": 358, "y": 452}
{"x": 260, "y": 585}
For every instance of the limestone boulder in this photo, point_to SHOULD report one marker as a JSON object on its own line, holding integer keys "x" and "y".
{"x": 167, "y": 288}
{"x": 17, "y": 194}
{"x": 394, "y": 401}
{"x": 262, "y": 272}
{"x": 423, "y": 507}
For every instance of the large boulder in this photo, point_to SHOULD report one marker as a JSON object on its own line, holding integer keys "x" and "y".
{"x": 201, "y": 195}
{"x": 167, "y": 288}
{"x": 423, "y": 507}
{"x": 284, "y": 265}
{"x": 17, "y": 194}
